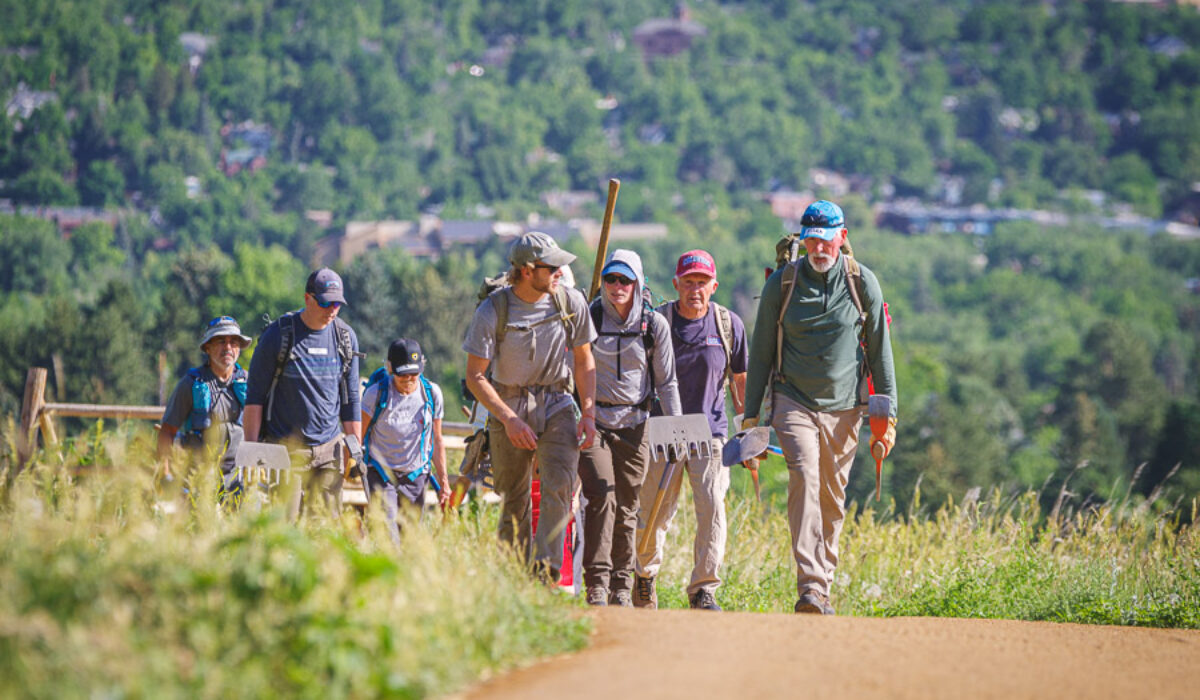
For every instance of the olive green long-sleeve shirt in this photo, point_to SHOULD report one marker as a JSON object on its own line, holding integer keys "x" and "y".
{"x": 821, "y": 353}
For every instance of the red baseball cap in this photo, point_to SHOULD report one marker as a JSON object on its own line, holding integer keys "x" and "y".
{"x": 696, "y": 261}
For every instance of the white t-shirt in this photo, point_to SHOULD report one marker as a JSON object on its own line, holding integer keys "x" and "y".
{"x": 396, "y": 438}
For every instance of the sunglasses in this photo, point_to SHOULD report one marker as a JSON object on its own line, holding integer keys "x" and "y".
{"x": 328, "y": 304}
{"x": 613, "y": 278}
{"x": 221, "y": 319}
{"x": 543, "y": 266}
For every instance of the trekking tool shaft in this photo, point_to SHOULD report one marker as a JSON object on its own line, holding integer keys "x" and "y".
{"x": 458, "y": 492}
{"x": 879, "y": 412}
{"x": 602, "y": 250}
{"x": 648, "y": 531}
{"x": 752, "y": 465}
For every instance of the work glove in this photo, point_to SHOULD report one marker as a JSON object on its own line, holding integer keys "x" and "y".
{"x": 888, "y": 439}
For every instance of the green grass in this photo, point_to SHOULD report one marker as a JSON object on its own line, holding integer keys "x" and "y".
{"x": 1002, "y": 557}
{"x": 107, "y": 595}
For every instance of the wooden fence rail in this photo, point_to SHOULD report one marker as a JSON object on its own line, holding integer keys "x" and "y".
{"x": 37, "y": 416}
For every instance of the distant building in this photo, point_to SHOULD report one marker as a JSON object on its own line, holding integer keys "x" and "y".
{"x": 431, "y": 237}
{"x": 363, "y": 236}
{"x": 66, "y": 219}
{"x": 24, "y": 102}
{"x": 668, "y": 37}
{"x": 246, "y": 147}
{"x": 789, "y": 205}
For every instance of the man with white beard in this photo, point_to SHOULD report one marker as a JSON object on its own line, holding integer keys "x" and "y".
{"x": 812, "y": 373}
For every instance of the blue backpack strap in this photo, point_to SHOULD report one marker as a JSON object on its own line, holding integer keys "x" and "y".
{"x": 381, "y": 378}
{"x": 239, "y": 384}
{"x": 425, "y": 449}
{"x": 202, "y": 401}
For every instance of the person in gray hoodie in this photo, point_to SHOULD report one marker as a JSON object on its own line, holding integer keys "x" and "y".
{"x": 635, "y": 363}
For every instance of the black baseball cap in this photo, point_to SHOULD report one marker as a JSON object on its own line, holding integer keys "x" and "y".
{"x": 405, "y": 357}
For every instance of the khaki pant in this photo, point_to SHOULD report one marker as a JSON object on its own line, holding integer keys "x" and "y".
{"x": 819, "y": 449}
{"x": 557, "y": 456}
{"x": 320, "y": 470}
{"x": 612, "y": 472}
{"x": 710, "y": 482}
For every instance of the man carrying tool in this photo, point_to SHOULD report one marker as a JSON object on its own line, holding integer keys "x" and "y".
{"x": 304, "y": 383}
{"x": 205, "y": 409}
{"x": 807, "y": 352}
{"x": 535, "y": 338}
{"x": 634, "y": 363}
{"x": 403, "y": 448}
{"x": 709, "y": 342}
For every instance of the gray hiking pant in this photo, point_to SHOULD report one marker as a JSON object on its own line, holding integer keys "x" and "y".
{"x": 710, "y": 482}
{"x": 557, "y": 456}
{"x": 819, "y": 450}
{"x": 612, "y": 472}
{"x": 320, "y": 470}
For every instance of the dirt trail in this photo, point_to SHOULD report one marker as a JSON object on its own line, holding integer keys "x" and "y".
{"x": 686, "y": 654}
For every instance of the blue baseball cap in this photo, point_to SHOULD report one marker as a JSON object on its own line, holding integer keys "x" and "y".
{"x": 619, "y": 268}
{"x": 822, "y": 219}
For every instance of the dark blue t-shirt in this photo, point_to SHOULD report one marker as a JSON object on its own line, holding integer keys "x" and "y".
{"x": 308, "y": 401}
{"x": 700, "y": 364}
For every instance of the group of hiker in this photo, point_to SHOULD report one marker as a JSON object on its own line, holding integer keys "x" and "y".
{"x": 569, "y": 385}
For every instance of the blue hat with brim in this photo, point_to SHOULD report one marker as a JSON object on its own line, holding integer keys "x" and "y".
{"x": 617, "y": 267}
{"x": 822, "y": 219}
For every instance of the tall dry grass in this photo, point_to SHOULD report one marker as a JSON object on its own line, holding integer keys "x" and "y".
{"x": 107, "y": 593}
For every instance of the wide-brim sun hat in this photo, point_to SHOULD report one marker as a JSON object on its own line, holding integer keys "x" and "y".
{"x": 224, "y": 326}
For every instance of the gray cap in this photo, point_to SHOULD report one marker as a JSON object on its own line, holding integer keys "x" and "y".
{"x": 537, "y": 247}
{"x": 222, "y": 326}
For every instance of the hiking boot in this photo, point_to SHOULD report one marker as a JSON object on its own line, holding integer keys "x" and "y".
{"x": 596, "y": 595}
{"x": 813, "y": 603}
{"x": 621, "y": 598}
{"x": 644, "y": 595}
{"x": 703, "y": 600}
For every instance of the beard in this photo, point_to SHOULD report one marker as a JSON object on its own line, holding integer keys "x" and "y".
{"x": 821, "y": 262}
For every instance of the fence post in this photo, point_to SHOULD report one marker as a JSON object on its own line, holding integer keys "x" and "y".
{"x": 31, "y": 409}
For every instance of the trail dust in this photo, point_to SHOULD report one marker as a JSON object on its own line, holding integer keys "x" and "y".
{"x": 692, "y": 654}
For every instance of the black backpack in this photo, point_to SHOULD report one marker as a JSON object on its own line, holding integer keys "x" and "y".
{"x": 287, "y": 342}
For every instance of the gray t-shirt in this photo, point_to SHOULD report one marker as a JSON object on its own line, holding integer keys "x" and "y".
{"x": 534, "y": 352}
{"x": 225, "y": 430}
{"x": 396, "y": 437}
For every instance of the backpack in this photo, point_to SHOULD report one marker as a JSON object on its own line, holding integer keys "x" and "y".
{"x": 383, "y": 379}
{"x": 724, "y": 329}
{"x": 596, "y": 310}
{"x": 494, "y": 288}
{"x": 287, "y": 343}
{"x": 203, "y": 390}
{"x": 787, "y": 255}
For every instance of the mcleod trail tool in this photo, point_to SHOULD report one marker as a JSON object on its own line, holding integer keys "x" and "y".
{"x": 671, "y": 438}
{"x": 879, "y": 412}
{"x": 744, "y": 448}
{"x": 602, "y": 250}
{"x": 263, "y": 463}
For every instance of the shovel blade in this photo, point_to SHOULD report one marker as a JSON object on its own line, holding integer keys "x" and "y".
{"x": 673, "y": 437}
{"x": 262, "y": 462}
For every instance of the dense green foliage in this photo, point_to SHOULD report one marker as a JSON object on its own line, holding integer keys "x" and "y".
{"x": 376, "y": 111}
{"x": 1022, "y": 355}
{"x": 109, "y": 592}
